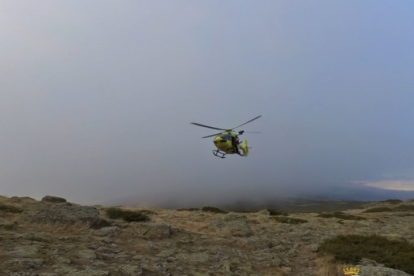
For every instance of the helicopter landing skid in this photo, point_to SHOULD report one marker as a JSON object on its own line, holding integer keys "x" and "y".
{"x": 217, "y": 152}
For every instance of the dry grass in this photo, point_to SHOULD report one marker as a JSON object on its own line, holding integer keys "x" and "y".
{"x": 74, "y": 229}
{"x": 325, "y": 266}
{"x": 2, "y": 254}
{"x": 274, "y": 272}
{"x": 3, "y": 199}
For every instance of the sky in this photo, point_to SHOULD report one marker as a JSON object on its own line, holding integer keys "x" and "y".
{"x": 97, "y": 98}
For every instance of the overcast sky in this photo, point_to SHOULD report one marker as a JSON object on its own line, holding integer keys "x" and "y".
{"x": 97, "y": 97}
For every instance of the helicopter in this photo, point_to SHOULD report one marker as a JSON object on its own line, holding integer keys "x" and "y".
{"x": 227, "y": 141}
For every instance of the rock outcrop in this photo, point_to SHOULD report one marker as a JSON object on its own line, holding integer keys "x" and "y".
{"x": 57, "y": 238}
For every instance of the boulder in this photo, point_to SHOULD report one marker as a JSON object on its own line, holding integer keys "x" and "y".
{"x": 379, "y": 271}
{"x": 232, "y": 225}
{"x": 155, "y": 230}
{"x": 53, "y": 199}
{"x": 61, "y": 213}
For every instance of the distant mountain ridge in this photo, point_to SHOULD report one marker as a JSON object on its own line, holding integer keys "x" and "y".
{"x": 335, "y": 199}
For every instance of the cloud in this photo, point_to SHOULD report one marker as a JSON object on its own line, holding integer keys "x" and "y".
{"x": 396, "y": 185}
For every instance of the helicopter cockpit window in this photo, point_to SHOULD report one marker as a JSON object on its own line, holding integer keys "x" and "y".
{"x": 225, "y": 136}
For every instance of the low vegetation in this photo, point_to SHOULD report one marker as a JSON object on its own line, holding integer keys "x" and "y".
{"x": 378, "y": 210}
{"x": 126, "y": 215}
{"x": 392, "y": 201}
{"x": 352, "y": 248}
{"x": 401, "y": 208}
{"x": 404, "y": 215}
{"x": 340, "y": 215}
{"x": 9, "y": 209}
{"x": 188, "y": 209}
{"x": 213, "y": 210}
{"x": 404, "y": 208}
{"x": 245, "y": 211}
{"x": 274, "y": 212}
{"x": 289, "y": 220}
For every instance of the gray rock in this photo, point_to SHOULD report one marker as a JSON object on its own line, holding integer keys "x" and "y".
{"x": 239, "y": 229}
{"x": 292, "y": 253}
{"x": 25, "y": 262}
{"x": 369, "y": 262}
{"x": 165, "y": 253}
{"x": 380, "y": 271}
{"x": 286, "y": 268}
{"x": 53, "y": 199}
{"x": 257, "y": 243}
{"x": 235, "y": 228}
{"x": 23, "y": 251}
{"x": 122, "y": 256}
{"x": 155, "y": 230}
{"x": 152, "y": 246}
{"x": 193, "y": 257}
{"x": 228, "y": 267}
{"x": 61, "y": 213}
{"x": 89, "y": 272}
{"x": 86, "y": 254}
{"x": 314, "y": 247}
{"x": 130, "y": 269}
{"x": 61, "y": 260}
{"x": 395, "y": 237}
{"x": 107, "y": 231}
{"x": 64, "y": 269}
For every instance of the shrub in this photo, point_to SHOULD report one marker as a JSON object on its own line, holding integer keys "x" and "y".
{"x": 352, "y": 248}
{"x": 126, "y": 215}
{"x": 188, "y": 209}
{"x": 341, "y": 215}
{"x": 378, "y": 210}
{"x": 99, "y": 223}
{"x": 404, "y": 215}
{"x": 10, "y": 209}
{"x": 274, "y": 212}
{"x": 243, "y": 211}
{"x": 392, "y": 201}
{"x": 213, "y": 210}
{"x": 404, "y": 208}
{"x": 289, "y": 220}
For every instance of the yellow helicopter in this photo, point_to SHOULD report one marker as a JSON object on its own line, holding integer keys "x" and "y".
{"x": 227, "y": 142}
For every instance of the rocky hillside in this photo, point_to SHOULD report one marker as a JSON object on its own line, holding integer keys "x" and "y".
{"x": 53, "y": 237}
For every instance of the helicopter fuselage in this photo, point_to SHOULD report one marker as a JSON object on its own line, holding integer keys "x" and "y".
{"x": 223, "y": 141}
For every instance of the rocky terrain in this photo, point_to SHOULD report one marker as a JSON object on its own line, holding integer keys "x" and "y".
{"x": 53, "y": 237}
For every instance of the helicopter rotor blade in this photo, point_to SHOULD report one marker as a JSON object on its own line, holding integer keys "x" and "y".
{"x": 211, "y": 135}
{"x": 207, "y": 126}
{"x": 248, "y": 121}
